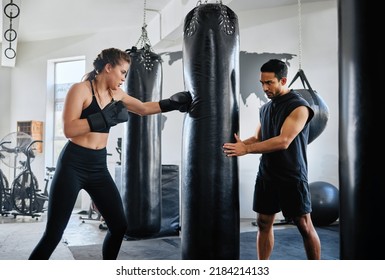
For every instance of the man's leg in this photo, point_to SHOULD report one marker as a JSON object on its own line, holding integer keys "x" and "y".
{"x": 310, "y": 237}
{"x": 265, "y": 236}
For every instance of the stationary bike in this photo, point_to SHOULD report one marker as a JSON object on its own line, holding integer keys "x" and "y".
{"x": 26, "y": 195}
{"x": 5, "y": 192}
{"x": 42, "y": 197}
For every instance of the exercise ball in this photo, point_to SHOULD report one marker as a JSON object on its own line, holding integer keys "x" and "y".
{"x": 325, "y": 203}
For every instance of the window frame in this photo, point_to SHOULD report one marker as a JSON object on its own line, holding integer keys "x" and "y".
{"x": 51, "y": 136}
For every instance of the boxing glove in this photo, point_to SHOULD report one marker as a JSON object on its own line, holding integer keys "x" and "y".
{"x": 179, "y": 101}
{"x": 114, "y": 113}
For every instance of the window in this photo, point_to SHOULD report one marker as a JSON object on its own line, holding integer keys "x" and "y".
{"x": 66, "y": 73}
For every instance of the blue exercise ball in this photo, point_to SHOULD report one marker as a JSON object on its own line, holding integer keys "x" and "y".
{"x": 325, "y": 203}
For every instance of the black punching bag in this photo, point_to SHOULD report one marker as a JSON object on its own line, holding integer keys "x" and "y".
{"x": 210, "y": 187}
{"x": 361, "y": 118}
{"x": 321, "y": 110}
{"x": 141, "y": 148}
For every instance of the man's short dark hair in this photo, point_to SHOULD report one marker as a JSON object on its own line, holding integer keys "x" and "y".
{"x": 277, "y": 66}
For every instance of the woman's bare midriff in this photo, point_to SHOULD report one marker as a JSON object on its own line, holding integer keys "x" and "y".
{"x": 91, "y": 140}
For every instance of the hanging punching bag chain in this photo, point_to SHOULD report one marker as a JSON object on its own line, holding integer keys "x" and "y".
{"x": 143, "y": 39}
{"x": 299, "y": 36}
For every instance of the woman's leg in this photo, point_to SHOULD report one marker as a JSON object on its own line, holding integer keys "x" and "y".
{"x": 62, "y": 198}
{"x": 109, "y": 204}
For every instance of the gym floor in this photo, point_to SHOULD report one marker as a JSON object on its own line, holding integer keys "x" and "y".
{"x": 19, "y": 235}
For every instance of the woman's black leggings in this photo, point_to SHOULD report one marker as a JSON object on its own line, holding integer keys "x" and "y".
{"x": 82, "y": 168}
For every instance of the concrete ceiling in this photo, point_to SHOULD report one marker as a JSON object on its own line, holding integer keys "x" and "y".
{"x": 51, "y": 19}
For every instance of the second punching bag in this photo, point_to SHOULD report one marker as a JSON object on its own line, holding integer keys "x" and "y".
{"x": 141, "y": 148}
{"x": 210, "y": 187}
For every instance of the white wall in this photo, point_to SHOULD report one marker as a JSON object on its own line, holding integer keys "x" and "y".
{"x": 5, "y": 112}
{"x": 5, "y": 94}
{"x": 261, "y": 31}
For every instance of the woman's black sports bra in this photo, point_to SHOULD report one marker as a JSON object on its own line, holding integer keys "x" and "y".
{"x": 93, "y": 108}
